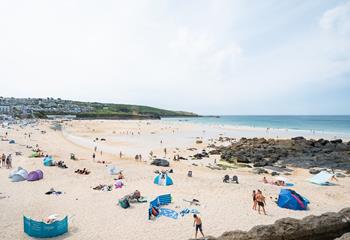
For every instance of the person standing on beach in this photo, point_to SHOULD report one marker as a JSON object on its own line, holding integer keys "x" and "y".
{"x": 9, "y": 161}
{"x": 120, "y": 154}
{"x": 261, "y": 201}
{"x": 95, "y": 148}
{"x": 93, "y": 157}
{"x": 3, "y": 160}
{"x": 198, "y": 224}
{"x": 254, "y": 200}
{"x": 165, "y": 152}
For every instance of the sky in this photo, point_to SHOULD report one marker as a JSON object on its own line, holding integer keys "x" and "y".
{"x": 209, "y": 57}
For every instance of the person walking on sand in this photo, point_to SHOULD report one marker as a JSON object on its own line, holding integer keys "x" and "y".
{"x": 197, "y": 223}
{"x": 254, "y": 200}
{"x": 120, "y": 154}
{"x": 165, "y": 152}
{"x": 261, "y": 201}
{"x": 93, "y": 157}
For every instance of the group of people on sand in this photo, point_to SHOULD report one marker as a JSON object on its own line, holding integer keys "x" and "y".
{"x": 259, "y": 201}
{"x": 138, "y": 157}
{"x": 84, "y": 171}
{"x": 6, "y": 161}
{"x": 277, "y": 182}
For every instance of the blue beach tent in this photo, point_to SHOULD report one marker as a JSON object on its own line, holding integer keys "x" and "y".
{"x": 292, "y": 200}
{"x": 163, "y": 179}
{"x": 48, "y": 161}
{"x": 43, "y": 230}
{"x": 158, "y": 202}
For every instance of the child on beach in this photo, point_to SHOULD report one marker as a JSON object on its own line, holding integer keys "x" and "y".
{"x": 198, "y": 224}
{"x": 254, "y": 200}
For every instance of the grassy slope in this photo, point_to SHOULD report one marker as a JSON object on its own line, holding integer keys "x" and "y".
{"x": 124, "y": 111}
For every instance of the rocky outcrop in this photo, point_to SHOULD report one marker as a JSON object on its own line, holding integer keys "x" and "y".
{"x": 328, "y": 226}
{"x": 297, "y": 152}
{"x": 346, "y": 236}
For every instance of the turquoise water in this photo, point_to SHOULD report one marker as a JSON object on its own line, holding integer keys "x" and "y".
{"x": 336, "y": 124}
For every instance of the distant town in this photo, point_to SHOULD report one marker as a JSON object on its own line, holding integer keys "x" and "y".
{"x": 22, "y": 108}
{"x": 32, "y": 107}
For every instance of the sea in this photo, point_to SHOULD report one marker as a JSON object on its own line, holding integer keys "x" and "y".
{"x": 322, "y": 123}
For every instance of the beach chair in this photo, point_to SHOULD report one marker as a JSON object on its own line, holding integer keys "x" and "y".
{"x": 226, "y": 179}
{"x": 189, "y": 174}
{"x": 235, "y": 179}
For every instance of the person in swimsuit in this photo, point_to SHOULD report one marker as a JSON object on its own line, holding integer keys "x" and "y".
{"x": 261, "y": 201}
{"x": 198, "y": 224}
{"x": 254, "y": 200}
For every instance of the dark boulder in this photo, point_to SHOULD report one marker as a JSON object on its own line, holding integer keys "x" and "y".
{"x": 261, "y": 163}
{"x": 314, "y": 171}
{"x": 298, "y": 138}
{"x": 328, "y": 226}
{"x": 336, "y": 141}
{"x": 259, "y": 171}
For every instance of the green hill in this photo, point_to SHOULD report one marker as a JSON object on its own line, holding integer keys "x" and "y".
{"x": 116, "y": 111}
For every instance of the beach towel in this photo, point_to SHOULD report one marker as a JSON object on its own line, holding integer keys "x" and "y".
{"x": 168, "y": 213}
{"x": 187, "y": 211}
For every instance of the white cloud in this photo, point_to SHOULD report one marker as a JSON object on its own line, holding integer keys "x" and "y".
{"x": 203, "y": 56}
{"x": 337, "y": 19}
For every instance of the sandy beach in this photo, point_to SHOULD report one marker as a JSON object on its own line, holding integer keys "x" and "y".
{"x": 96, "y": 214}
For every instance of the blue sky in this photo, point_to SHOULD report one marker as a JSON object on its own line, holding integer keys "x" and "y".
{"x": 209, "y": 57}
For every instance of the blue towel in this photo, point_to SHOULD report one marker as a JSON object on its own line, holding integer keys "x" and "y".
{"x": 187, "y": 211}
{"x": 168, "y": 213}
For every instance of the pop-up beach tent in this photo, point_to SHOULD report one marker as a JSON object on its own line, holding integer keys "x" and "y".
{"x": 43, "y": 230}
{"x": 35, "y": 175}
{"x": 48, "y": 161}
{"x": 20, "y": 175}
{"x": 14, "y": 171}
{"x": 322, "y": 178}
{"x": 113, "y": 170}
{"x": 292, "y": 200}
{"x": 163, "y": 179}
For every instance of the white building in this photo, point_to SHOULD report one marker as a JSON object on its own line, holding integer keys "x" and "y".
{"x": 4, "y": 109}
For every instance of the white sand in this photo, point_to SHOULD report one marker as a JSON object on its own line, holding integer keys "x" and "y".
{"x": 95, "y": 214}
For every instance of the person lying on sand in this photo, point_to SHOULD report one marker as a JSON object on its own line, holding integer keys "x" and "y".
{"x": 52, "y": 191}
{"x": 84, "y": 171}
{"x": 120, "y": 176}
{"x": 61, "y": 164}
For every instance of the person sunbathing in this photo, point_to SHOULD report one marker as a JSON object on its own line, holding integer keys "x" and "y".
{"x": 120, "y": 176}
{"x": 84, "y": 171}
